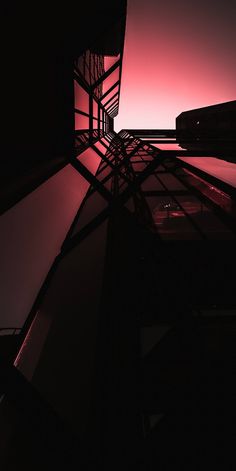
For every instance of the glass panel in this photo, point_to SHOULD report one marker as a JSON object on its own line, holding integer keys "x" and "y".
{"x": 141, "y": 158}
{"x": 152, "y": 184}
{"x": 113, "y": 77}
{"x": 108, "y": 184}
{"x": 225, "y": 171}
{"x": 106, "y": 140}
{"x": 109, "y": 61}
{"x": 104, "y": 173}
{"x": 45, "y": 215}
{"x": 76, "y": 282}
{"x": 90, "y": 159}
{"x": 204, "y": 218}
{"x": 135, "y": 159}
{"x": 81, "y": 122}
{"x": 214, "y": 194}
{"x": 101, "y": 147}
{"x": 81, "y": 98}
{"x": 95, "y": 124}
{"x": 143, "y": 155}
{"x": 171, "y": 182}
{"x": 169, "y": 219}
{"x": 95, "y": 109}
{"x": 93, "y": 205}
{"x": 168, "y": 146}
{"x": 138, "y": 167}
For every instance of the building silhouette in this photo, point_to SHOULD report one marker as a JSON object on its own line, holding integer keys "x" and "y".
{"x": 117, "y": 293}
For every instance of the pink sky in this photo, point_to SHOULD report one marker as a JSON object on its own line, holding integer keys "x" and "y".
{"x": 178, "y": 55}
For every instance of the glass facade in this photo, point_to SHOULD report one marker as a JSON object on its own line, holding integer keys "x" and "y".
{"x": 120, "y": 302}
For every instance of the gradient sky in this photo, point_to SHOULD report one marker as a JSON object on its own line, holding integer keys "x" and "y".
{"x": 179, "y": 55}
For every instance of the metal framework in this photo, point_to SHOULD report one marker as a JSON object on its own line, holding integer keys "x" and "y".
{"x": 146, "y": 196}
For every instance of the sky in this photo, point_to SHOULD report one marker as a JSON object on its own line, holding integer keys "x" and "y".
{"x": 178, "y": 55}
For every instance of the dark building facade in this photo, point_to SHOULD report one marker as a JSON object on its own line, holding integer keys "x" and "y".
{"x": 118, "y": 301}
{"x": 209, "y": 129}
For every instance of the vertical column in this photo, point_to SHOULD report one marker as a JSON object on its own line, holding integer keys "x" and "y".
{"x": 103, "y": 128}
{"x": 99, "y": 124}
{"x": 90, "y": 118}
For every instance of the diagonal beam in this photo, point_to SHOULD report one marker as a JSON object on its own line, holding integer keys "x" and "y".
{"x": 85, "y": 231}
{"x": 110, "y": 90}
{"x": 112, "y": 108}
{"x": 115, "y": 168}
{"x": 106, "y": 75}
{"x": 112, "y": 98}
{"x": 91, "y": 179}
